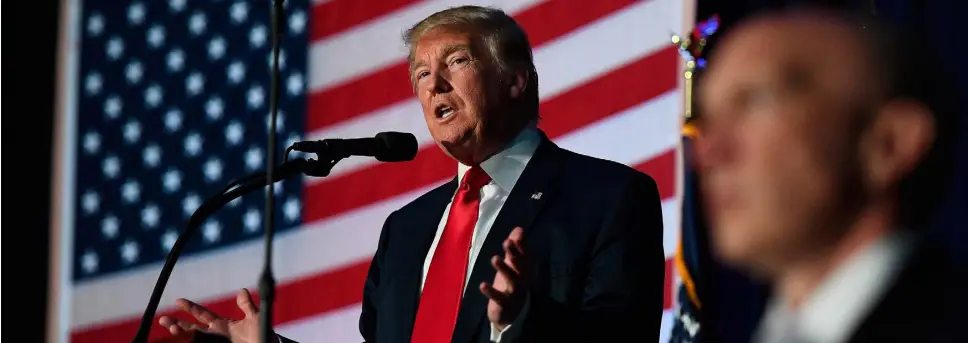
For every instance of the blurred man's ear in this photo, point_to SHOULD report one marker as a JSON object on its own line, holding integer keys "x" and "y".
{"x": 899, "y": 137}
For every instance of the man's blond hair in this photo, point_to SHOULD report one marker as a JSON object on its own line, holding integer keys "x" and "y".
{"x": 505, "y": 40}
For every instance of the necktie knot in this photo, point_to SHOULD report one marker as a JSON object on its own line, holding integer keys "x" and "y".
{"x": 475, "y": 178}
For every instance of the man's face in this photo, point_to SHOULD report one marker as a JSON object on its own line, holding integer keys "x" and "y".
{"x": 776, "y": 150}
{"x": 460, "y": 93}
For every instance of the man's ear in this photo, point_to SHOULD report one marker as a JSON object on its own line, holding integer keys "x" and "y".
{"x": 900, "y": 136}
{"x": 519, "y": 82}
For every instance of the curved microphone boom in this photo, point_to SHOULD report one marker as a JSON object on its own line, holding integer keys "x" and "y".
{"x": 213, "y": 204}
{"x": 385, "y": 146}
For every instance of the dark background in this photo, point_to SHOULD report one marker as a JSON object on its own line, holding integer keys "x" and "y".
{"x": 34, "y": 75}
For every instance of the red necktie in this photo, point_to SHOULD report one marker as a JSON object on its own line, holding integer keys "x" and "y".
{"x": 444, "y": 286}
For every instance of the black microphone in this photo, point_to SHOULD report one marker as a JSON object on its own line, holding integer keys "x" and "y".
{"x": 385, "y": 146}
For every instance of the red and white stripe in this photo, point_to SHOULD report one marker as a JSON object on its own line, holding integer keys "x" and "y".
{"x": 609, "y": 88}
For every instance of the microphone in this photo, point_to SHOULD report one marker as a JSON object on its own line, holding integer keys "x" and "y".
{"x": 385, "y": 146}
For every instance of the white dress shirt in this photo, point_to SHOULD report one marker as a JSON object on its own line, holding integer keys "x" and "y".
{"x": 504, "y": 168}
{"x": 836, "y": 308}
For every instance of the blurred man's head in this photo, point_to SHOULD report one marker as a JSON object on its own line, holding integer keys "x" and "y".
{"x": 472, "y": 70}
{"x": 810, "y": 124}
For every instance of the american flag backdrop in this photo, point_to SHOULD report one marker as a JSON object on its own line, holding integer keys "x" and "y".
{"x": 165, "y": 102}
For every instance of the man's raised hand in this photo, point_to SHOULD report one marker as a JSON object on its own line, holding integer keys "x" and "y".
{"x": 511, "y": 283}
{"x": 245, "y": 330}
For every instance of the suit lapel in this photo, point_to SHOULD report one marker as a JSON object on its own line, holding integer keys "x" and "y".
{"x": 524, "y": 203}
{"x": 424, "y": 229}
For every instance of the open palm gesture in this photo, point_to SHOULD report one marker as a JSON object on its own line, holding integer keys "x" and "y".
{"x": 245, "y": 330}
{"x": 514, "y": 275}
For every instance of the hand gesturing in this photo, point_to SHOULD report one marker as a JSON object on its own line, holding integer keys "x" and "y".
{"x": 511, "y": 283}
{"x": 245, "y": 330}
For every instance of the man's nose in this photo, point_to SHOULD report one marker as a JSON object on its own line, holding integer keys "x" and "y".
{"x": 713, "y": 147}
{"x": 438, "y": 83}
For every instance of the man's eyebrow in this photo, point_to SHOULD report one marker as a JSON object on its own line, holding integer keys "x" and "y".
{"x": 446, "y": 51}
{"x": 415, "y": 65}
{"x": 450, "y": 49}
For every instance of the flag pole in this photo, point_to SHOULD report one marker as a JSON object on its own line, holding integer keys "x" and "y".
{"x": 690, "y": 50}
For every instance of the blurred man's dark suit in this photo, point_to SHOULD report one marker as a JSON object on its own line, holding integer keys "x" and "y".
{"x": 928, "y": 302}
{"x": 904, "y": 288}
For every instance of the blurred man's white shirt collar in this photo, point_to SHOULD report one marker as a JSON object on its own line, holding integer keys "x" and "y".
{"x": 836, "y": 308}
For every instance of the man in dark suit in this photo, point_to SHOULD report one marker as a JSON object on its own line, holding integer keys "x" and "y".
{"x": 528, "y": 242}
{"x": 825, "y": 146}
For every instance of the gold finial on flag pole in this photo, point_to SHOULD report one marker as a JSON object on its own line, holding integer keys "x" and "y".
{"x": 690, "y": 49}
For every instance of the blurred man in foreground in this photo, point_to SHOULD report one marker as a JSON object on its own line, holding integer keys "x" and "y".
{"x": 825, "y": 146}
{"x": 528, "y": 241}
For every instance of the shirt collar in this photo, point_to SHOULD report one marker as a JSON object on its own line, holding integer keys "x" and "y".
{"x": 841, "y": 302}
{"x": 506, "y": 166}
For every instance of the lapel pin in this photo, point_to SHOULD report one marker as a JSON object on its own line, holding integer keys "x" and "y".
{"x": 536, "y": 196}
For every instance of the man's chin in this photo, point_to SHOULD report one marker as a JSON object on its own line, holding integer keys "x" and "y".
{"x": 733, "y": 247}
{"x": 732, "y": 253}
{"x": 457, "y": 143}
{"x": 454, "y": 143}
{"x": 459, "y": 150}
{"x": 756, "y": 258}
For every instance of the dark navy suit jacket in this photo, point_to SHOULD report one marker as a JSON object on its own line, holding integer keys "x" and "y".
{"x": 594, "y": 232}
{"x": 925, "y": 303}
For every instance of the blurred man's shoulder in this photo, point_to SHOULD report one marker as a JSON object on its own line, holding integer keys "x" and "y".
{"x": 926, "y": 302}
{"x": 933, "y": 279}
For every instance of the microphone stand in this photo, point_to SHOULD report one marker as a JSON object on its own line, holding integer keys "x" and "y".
{"x": 213, "y": 204}
{"x": 267, "y": 283}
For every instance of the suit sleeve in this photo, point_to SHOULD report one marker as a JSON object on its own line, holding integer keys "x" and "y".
{"x": 624, "y": 290}
{"x": 370, "y": 295}
{"x": 623, "y": 293}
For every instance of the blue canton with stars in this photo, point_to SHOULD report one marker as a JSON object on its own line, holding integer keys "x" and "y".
{"x": 173, "y": 103}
